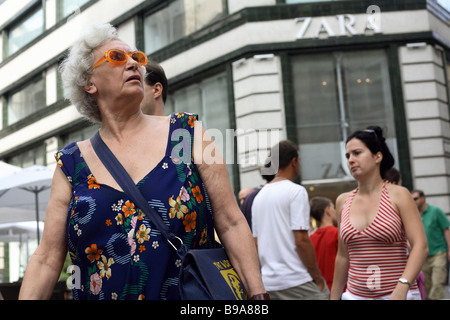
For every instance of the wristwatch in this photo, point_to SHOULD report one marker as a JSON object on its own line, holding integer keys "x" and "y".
{"x": 404, "y": 281}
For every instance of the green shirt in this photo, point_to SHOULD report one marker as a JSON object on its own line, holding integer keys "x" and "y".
{"x": 435, "y": 222}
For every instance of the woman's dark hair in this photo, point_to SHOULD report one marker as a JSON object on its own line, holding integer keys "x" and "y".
{"x": 373, "y": 138}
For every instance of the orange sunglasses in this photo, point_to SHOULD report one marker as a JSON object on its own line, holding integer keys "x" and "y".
{"x": 119, "y": 57}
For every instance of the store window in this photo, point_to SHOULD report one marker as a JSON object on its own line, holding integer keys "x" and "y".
{"x": 26, "y": 101}
{"x": 26, "y": 30}
{"x": 336, "y": 94}
{"x": 208, "y": 99}
{"x": 179, "y": 19}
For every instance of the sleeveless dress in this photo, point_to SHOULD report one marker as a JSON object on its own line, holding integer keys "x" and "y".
{"x": 378, "y": 254}
{"x": 116, "y": 253}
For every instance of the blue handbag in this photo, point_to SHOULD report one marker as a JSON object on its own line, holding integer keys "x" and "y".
{"x": 205, "y": 274}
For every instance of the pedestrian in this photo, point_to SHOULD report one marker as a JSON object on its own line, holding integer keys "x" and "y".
{"x": 243, "y": 193}
{"x": 436, "y": 226}
{"x": 375, "y": 220}
{"x": 280, "y": 224}
{"x": 325, "y": 237}
{"x": 246, "y": 205}
{"x": 156, "y": 88}
{"x": 117, "y": 252}
{"x": 394, "y": 176}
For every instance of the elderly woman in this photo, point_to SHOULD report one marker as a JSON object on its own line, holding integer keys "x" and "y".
{"x": 119, "y": 254}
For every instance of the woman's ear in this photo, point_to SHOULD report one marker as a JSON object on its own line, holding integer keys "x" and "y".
{"x": 378, "y": 157}
{"x": 90, "y": 88}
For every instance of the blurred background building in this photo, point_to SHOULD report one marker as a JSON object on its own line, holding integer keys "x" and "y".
{"x": 256, "y": 70}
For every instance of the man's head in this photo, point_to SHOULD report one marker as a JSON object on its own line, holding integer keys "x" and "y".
{"x": 243, "y": 194}
{"x": 156, "y": 87}
{"x": 323, "y": 211}
{"x": 284, "y": 156}
{"x": 419, "y": 199}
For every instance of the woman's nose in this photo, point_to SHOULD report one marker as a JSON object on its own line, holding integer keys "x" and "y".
{"x": 132, "y": 64}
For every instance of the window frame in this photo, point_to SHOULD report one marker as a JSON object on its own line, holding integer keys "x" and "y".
{"x": 163, "y": 5}
{"x": 396, "y": 91}
{"x": 23, "y": 17}
{"x": 59, "y": 10}
{"x": 36, "y": 148}
{"x": 39, "y": 77}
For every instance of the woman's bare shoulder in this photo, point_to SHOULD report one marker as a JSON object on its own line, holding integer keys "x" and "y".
{"x": 340, "y": 200}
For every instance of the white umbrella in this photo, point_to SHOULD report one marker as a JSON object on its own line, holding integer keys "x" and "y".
{"x": 16, "y": 230}
{"x": 12, "y": 215}
{"x": 27, "y": 189}
{"x": 7, "y": 169}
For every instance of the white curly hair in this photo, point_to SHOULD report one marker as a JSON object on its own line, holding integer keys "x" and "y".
{"x": 75, "y": 68}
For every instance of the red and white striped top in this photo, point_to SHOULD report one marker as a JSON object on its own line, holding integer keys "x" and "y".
{"x": 377, "y": 254}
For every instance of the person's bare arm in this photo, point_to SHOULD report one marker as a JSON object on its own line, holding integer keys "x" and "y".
{"x": 307, "y": 254}
{"x": 415, "y": 234}
{"x": 45, "y": 265}
{"x": 342, "y": 259}
{"x": 231, "y": 225}
{"x": 447, "y": 239}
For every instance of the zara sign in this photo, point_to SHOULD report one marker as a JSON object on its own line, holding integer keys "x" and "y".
{"x": 340, "y": 25}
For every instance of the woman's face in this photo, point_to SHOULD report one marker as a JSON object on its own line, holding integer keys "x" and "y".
{"x": 360, "y": 159}
{"x": 114, "y": 83}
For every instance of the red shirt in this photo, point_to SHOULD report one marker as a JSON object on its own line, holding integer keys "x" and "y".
{"x": 325, "y": 242}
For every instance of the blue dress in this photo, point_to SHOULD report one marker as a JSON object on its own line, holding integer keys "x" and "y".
{"x": 116, "y": 253}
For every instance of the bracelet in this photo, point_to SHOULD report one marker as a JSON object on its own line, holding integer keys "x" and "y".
{"x": 260, "y": 296}
{"x": 404, "y": 281}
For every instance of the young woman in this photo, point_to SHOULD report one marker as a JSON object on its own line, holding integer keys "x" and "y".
{"x": 374, "y": 222}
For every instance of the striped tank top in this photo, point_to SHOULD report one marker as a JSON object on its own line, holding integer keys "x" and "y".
{"x": 377, "y": 254}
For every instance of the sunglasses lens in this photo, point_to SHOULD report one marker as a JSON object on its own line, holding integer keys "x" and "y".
{"x": 117, "y": 56}
{"x": 139, "y": 57}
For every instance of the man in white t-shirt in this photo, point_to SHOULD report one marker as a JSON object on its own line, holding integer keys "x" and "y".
{"x": 280, "y": 224}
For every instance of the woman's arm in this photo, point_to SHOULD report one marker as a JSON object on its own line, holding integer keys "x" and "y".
{"x": 342, "y": 260}
{"x": 231, "y": 225}
{"x": 415, "y": 234}
{"x": 45, "y": 265}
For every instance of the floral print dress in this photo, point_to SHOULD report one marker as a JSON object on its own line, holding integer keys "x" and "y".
{"x": 116, "y": 252}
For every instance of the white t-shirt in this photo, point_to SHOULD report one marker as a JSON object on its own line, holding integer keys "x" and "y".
{"x": 277, "y": 210}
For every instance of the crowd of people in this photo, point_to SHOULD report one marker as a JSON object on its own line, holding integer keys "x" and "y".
{"x": 375, "y": 242}
{"x": 380, "y": 242}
